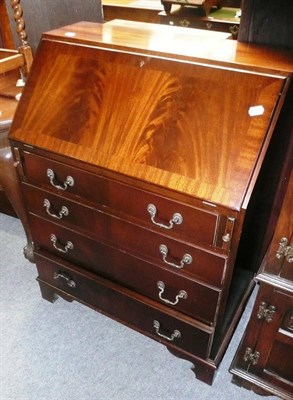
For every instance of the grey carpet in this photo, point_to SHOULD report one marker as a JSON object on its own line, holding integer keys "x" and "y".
{"x": 65, "y": 351}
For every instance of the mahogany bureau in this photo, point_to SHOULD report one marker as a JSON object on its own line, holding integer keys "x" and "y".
{"x": 142, "y": 151}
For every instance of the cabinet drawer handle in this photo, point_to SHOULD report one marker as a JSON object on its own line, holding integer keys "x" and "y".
{"x": 62, "y": 213}
{"x": 187, "y": 259}
{"x": 177, "y": 218}
{"x": 285, "y": 250}
{"x": 68, "y": 246}
{"x": 181, "y": 295}
{"x": 69, "y": 180}
{"x": 266, "y": 312}
{"x": 175, "y": 335}
{"x": 60, "y": 275}
{"x": 251, "y": 357}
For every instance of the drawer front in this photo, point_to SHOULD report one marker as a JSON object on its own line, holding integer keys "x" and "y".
{"x": 159, "y": 249}
{"x": 127, "y": 307}
{"x": 168, "y": 287}
{"x": 164, "y": 215}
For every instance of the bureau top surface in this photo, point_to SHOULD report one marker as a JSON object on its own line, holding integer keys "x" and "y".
{"x": 176, "y": 42}
{"x": 170, "y": 106}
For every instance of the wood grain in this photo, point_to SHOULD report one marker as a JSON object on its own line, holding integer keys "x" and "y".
{"x": 157, "y": 120}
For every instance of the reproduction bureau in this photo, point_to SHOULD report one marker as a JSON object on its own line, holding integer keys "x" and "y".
{"x": 143, "y": 153}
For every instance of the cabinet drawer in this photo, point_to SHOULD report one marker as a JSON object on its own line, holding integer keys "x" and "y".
{"x": 158, "y": 249}
{"x": 125, "y": 306}
{"x": 193, "y": 225}
{"x": 189, "y": 296}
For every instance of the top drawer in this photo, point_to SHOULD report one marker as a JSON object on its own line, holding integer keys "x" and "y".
{"x": 153, "y": 211}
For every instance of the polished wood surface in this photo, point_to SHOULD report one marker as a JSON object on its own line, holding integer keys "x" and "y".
{"x": 145, "y": 10}
{"x": 205, "y": 5}
{"x": 178, "y": 44}
{"x": 8, "y": 101}
{"x": 13, "y": 25}
{"x": 135, "y": 310}
{"x": 142, "y": 4}
{"x": 10, "y": 59}
{"x": 270, "y": 339}
{"x": 138, "y": 10}
{"x": 6, "y": 37}
{"x": 90, "y": 224}
{"x": 132, "y": 203}
{"x": 152, "y": 145}
{"x": 137, "y": 273}
{"x": 143, "y": 170}
{"x": 269, "y": 330}
{"x": 277, "y": 265}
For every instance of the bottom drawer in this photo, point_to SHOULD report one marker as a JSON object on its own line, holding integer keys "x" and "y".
{"x": 130, "y": 308}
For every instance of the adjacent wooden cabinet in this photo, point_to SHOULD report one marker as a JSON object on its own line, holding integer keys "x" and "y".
{"x": 143, "y": 153}
{"x": 264, "y": 360}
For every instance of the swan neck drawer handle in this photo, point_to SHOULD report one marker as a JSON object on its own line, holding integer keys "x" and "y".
{"x": 177, "y": 218}
{"x": 175, "y": 335}
{"x": 68, "y": 246}
{"x": 60, "y": 275}
{"x": 187, "y": 259}
{"x": 69, "y": 181}
{"x": 62, "y": 213}
{"x": 181, "y": 295}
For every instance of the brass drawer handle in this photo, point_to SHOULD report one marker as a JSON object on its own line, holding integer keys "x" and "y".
{"x": 285, "y": 250}
{"x": 61, "y": 275}
{"x": 187, "y": 259}
{"x": 251, "y": 357}
{"x": 177, "y": 218}
{"x": 69, "y": 180}
{"x": 62, "y": 213}
{"x": 175, "y": 335}
{"x": 68, "y": 246}
{"x": 181, "y": 295}
{"x": 266, "y": 312}
{"x": 234, "y": 29}
{"x": 184, "y": 22}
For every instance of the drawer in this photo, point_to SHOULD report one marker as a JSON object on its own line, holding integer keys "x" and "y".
{"x": 134, "y": 310}
{"x": 172, "y": 218}
{"x": 168, "y": 287}
{"x": 149, "y": 245}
